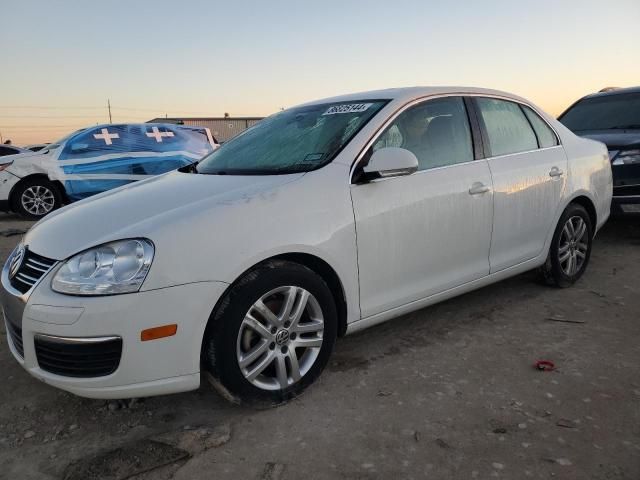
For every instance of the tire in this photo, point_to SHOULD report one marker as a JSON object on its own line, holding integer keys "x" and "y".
{"x": 36, "y": 197}
{"x": 232, "y": 337}
{"x": 573, "y": 237}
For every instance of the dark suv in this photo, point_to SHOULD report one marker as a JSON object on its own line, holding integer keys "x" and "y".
{"x": 613, "y": 118}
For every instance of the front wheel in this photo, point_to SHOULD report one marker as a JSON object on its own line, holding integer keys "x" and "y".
{"x": 272, "y": 334}
{"x": 36, "y": 197}
{"x": 570, "y": 248}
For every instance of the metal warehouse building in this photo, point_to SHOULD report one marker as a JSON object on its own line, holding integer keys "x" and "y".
{"x": 222, "y": 128}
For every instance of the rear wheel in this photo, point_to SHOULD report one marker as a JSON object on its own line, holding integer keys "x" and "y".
{"x": 36, "y": 197}
{"x": 272, "y": 334}
{"x": 570, "y": 248}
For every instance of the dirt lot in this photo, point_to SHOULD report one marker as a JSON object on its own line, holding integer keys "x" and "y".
{"x": 446, "y": 392}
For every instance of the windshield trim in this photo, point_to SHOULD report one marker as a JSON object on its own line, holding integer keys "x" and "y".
{"x": 253, "y": 172}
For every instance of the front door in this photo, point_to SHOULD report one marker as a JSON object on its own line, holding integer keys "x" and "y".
{"x": 424, "y": 233}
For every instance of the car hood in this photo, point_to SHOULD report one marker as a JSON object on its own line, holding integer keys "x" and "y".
{"x": 615, "y": 139}
{"x": 138, "y": 209}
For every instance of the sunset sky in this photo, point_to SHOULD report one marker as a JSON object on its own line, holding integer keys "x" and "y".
{"x": 62, "y": 60}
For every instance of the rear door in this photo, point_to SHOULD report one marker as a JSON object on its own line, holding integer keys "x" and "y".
{"x": 528, "y": 168}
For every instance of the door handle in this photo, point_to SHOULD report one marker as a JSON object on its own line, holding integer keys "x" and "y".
{"x": 555, "y": 172}
{"x": 478, "y": 188}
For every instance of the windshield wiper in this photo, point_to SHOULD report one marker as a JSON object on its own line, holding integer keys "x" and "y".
{"x": 632, "y": 126}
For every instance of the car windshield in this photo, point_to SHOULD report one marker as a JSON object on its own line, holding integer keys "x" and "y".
{"x": 604, "y": 112}
{"x": 296, "y": 140}
{"x": 57, "y": 143}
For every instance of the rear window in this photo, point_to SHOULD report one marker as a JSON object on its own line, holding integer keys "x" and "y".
{"x": 605, "y": 112}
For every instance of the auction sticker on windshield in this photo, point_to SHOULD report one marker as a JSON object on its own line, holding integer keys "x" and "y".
{"x": 347, "y": 108}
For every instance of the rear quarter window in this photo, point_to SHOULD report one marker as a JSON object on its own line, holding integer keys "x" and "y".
{"x": 546, "y": 136}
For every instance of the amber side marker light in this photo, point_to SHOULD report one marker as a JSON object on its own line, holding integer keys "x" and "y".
{"x": 158, "y": 332}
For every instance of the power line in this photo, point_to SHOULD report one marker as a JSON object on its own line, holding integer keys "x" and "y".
{"x": 51, "y": 107}
{"x": 132, "y": 109}
{"x": 44, "y": 117}
{"x": 44, "y": 125}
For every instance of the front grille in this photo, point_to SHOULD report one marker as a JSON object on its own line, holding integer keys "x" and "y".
{"x": 78, "y": 357}
{"x": 15, "y": 334}
{"x": 31, "y": 270}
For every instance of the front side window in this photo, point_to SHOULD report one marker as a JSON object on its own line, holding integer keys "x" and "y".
{"x": 508, "y": 129}
{"x": 546, "y": 136}
{"x": 95, "y": 142}
{"x": 436, "y": 131}
{"x": 300, "y": 139}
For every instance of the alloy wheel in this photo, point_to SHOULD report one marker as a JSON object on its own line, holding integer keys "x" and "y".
{"x": 573, "y": 245}
{"x": 38, "y": 200}
{"x": 280, "y": 338}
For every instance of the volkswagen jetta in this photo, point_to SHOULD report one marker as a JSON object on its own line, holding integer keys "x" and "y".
{"x": 319, "y": 221}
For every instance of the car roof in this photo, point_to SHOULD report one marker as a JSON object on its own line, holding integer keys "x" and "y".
{"x": 407, "y": 94}
{"x": 139, "y": 124}
{"x": 616, "y": 91}
{"x": 124, "y": 124}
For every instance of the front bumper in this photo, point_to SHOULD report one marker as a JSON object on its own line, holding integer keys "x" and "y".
{"x": 626, "y": 199}
{"x": 7, "y": 182}
{"x": 156, "y": 367}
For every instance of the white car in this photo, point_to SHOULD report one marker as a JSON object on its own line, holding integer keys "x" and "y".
{"x": 321, "y": 220}
{"x": 96, "y": 159}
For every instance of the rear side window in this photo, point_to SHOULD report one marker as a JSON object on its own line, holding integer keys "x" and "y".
{"x": 508, "y": 129}
{"x": 546, "y": 136}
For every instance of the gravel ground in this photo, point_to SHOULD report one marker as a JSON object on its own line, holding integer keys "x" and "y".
{"x": 446, "y": 392}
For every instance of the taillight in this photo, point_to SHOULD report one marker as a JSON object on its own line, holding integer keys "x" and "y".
{"x": 5, "y": 165}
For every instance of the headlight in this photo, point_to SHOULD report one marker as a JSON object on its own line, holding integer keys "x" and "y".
{"x": 115, "y": 267}
{"x": 627, "y": 157}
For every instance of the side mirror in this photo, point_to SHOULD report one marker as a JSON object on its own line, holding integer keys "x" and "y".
{"x": 391, "y": 162}
{"x": 79, "y": 147}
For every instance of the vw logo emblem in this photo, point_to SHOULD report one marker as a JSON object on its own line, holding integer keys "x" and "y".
{"x": 16, "y": 261}
{"x": 282, "y": 337}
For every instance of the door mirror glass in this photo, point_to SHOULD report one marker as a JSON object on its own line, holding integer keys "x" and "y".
{"x": 391, "y": 162}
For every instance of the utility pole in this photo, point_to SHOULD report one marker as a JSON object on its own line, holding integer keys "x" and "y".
{"x": 0, "y": 138}
{"x": 109, "y": 107}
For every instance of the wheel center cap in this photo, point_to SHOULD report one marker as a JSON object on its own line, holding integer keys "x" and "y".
{"x": 282, "y": 337}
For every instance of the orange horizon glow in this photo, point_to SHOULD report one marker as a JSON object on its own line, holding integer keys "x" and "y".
{"x": 205, "y": 59}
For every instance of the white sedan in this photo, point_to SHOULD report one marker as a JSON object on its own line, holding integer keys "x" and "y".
{"x": 321, "y": 220}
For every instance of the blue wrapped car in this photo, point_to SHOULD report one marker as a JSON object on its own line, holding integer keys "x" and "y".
{"x": 94, "y": 160}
